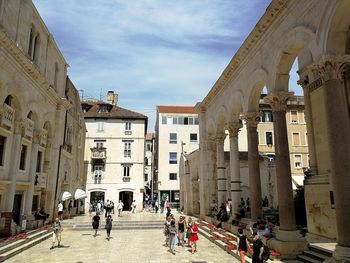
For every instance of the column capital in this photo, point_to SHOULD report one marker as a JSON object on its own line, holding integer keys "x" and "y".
{"x": 20, "y": 127}
{"x": 220, "y": 138}
{"x": 252, "y": 118}
{"x": 234, "y": 128}
{"x": 330, "y": 67}
{"x": 278, "y": 100}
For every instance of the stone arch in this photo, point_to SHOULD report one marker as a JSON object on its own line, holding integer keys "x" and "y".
{"x": 255, "y": 86}
{"x": 298, "y": 42}
{"x": 337, "y": 39}
{"x": 236, "y": 104}
{"x": 221, "y": 119}
{"x": 211, "y": 127}
{"x": 48, "y": 127}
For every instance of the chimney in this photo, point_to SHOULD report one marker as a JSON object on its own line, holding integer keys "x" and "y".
{"x": 112, "y": 98}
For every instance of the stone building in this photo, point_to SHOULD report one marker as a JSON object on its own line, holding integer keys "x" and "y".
{"x": 317, "y": 34}
{"x": 35, "y": 96}
{"x": 176, "y": 133}
{"x": 114, "y": 152}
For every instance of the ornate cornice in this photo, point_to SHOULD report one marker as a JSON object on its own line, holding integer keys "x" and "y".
{"x": 220, "y": 138}
{"x": 234, "y": 128}
{"x": 274, "y": 10}
{"x": 251, "y": 118}
{"x": 278, "y": 100}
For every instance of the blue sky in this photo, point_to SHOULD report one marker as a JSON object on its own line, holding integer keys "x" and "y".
{"x": 150, "y": 52}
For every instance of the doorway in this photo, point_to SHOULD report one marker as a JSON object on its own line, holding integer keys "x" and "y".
{"x": 17, "y": 204}
{"x": 127, "y": 198}
{"x": 95, "y": 197}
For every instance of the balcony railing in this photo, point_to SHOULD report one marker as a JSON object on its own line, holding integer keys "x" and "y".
{"x": 41, "y": 180}
{"x": 29, "y": 129}
{"x": 7, "y": 116}
{"x": 98, "y": 153}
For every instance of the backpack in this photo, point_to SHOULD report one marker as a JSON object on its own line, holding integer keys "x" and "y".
{"x": 266, "y": 253}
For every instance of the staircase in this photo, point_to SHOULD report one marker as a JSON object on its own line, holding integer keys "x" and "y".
{"x": 225, "y": 240}
{"x": 117, "y": 224}
{"x": 315, "y": 254}
{"x": 16, "y": 244}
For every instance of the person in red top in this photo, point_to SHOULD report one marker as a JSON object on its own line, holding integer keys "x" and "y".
{"x": 194, "y": 236}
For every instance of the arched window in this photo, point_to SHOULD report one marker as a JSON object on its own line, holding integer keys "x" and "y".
{"x": 56, "y": 75}
{"x": 8, "y": 100}
{"x": 30, "y": 115}
{"x": 33, "y": 45}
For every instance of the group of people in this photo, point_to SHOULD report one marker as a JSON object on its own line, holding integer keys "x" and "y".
{"x": 108, "y": 207}
{"x": 108, "y": 225}
{"x": 256, "y": 250}
{"x": 181, "y": 231}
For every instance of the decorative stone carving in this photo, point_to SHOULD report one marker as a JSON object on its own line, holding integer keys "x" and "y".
{"x": 37, "y": 136}
{"x": 20, "y": 127}
{"x": 278, "y": 100}
{"x": 234, "y": 128}
{"x": 220, "y": 138}
{"x": 330, "y": 67}
{"x": 251, "y": 118}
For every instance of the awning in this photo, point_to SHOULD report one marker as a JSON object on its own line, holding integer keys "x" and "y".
{"x": 66, "y": 195}
{"x": 298, "y": 181}
{"x": 80, "y": 194}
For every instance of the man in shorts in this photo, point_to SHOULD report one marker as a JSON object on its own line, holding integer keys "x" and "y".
{"x": 60, "y": 210}
{"x": 57, "y": 229}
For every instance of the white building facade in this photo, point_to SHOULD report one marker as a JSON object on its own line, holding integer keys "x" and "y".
{"x": 114, "y": 153}
{"x": 149, "y": 161}
{"x": 177, "y": 132}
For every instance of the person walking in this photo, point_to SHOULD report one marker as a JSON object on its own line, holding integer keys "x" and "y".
{"x": 99, "y": 207}
{"x": 242, "y": 245}
{"x": 181, "y": 224}
{"x": 133, "y": 206}
{"x": 120, "y": 208}
{"x": 166, "y": 230}
{"x": 108, "y": 226}
{"x": 95, "y": 223}
{"x": 70, "y": 206}
{"x": 172, "y": 236}
{"x": 60, "y": 210}
{"x": 56, "y": 235}
{"x": 194, "y": 236}
{"x": 258, "y": 249}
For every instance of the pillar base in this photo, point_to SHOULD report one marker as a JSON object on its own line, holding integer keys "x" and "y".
{"x": 341, "y": 253}
{"x": 288, "y": 243}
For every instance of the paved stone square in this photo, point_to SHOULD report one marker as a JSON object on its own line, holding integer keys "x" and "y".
{"x": 125, "y": 246}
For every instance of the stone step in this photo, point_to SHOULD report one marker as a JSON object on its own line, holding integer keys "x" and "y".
{"x": 316, "y": 255}
{"x": 25, "y": 245}
{"x": 307, "y": 259}
{"x": 320, "y": 250}
{"x": 119, "y": 227}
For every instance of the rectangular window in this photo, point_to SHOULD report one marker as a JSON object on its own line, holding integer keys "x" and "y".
{"x": 196, "y": 121}
{"x": 146, "y": 177}
{"x": 180, "y": 120}
{"x": 98, "y": 173}
{"x": 266, "y": 116}
{"x": 296, "y": 139}
{"x": 149, "y": 147}
{"x": 163, "y": 120}
{"x": 100, "y": 126}
{"x": 193, "y": 137}
{"x": 306, "y": 138}
{"x": 172, "y": 138}
{"x": 293, "y": 116}
{"x": 175, "y": 120}
{"x": 22, "y": 162}
{"x": 128, "y": 126}
{"x": 190, "y": 121}
{"x": 35, "y": 203}
{"x": 127, "y": 149}
{"x": 269, "y": 139}
{"x": 38, "y": 162}
{"x": 169, "y": 120}
{"x": 126, "y": 170}
{"x": 185, "y": 120}
{"x": 173, "y": 158}
{"x": 173, "y": 176}
{"x": 2, "y": 150}
{"x": 297, "y": 161}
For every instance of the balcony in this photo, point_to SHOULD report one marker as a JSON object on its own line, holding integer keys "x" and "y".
{"x": 28, "y": 133}
{"x": 40, "y": 180}
{"x": 98, "y": 153}
{"x": 126, "y": 179}
{"x": 7, "y": 114}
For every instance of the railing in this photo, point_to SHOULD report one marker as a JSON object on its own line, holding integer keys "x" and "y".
{"x": 29, "y": 129}
{"x": 7, "y": 117}
{"x": 126, "y": 179}
{"x": 41, "y": 180}
{"x": 43, "y": 139}
{"x": 98, "y": 153}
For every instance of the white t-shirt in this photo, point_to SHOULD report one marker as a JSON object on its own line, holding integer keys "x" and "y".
{"x": 120, "y": 205}
{"x": 60, "y": 207}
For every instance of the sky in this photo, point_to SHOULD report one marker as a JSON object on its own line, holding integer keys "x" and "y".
{"x": 149, "y": 52}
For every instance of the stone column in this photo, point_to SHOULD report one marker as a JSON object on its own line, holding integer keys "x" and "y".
{"x": 303, "y": 82}
{"x": 252, "y": 119}
{"x": 212, "y": 169}
{"x": 13, "y": 171}
{"x": 278, "y": 103}
{"x": 338, "y": 130}
{"x": 32, "y": 173}
{"x": 235, "y": 177}
{"x": 220, "y": 167}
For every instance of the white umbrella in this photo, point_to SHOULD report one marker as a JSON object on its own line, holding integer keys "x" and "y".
{"x": 80, "y": 194}
{"x": 66, "y": 195}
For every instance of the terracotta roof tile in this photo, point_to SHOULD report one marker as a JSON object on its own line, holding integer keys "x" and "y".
{"x": 176, "y": 109}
